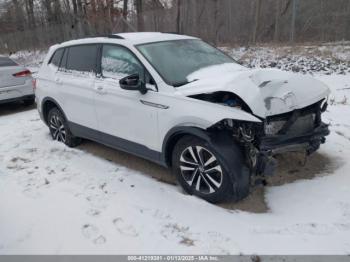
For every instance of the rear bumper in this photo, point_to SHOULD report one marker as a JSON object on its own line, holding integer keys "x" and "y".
{"x": 22, "y": 98}
{"x": 16, "y": 93}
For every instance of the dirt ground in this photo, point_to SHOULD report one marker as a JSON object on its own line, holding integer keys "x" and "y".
{"x": 291, "y": 167}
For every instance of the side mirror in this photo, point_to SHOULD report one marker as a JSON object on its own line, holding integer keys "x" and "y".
{"x": 133, "y": 83}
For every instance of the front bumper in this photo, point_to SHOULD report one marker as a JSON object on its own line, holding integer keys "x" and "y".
{"x": 277, "y": 144}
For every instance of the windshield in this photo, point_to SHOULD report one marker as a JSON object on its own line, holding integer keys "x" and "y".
{"x": 176, "y": 60}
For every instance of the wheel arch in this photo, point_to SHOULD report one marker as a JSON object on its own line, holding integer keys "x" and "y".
{"x": 174, "y": 135}
{"x": 47, "y": 104}
{"x": 223, "y": 143}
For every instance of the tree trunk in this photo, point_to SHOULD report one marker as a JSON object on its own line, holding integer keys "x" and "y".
{"x": 75, "y": 7}
{"x": 57, "y": 12}
{"x": 19, "y": 15}
{"x": 178, "y": 17}
{"x": 49, "y": 13}
{"x": 217, "y": 27}
{"x": 292, "y": 28}
{"x": 30, "y": 13}
{"x": 256, "y": 21}
{"x": 80, "y": 7}
{"x": 110, "y": 15}
{"x": 125, "y": 15}
{"x": 277, "y": 21}
{"x": 139, "y": 12}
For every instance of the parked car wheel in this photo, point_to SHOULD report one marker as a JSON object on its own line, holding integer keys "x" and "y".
{"x": 59, "y": 128}
{"x": 200, "y": 171}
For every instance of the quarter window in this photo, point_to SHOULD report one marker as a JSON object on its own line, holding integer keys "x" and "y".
{"x": 56, "y": 58}
{"x": 82, "y": 58}
{"x": 63, "y": 64}
{"x": 118, "y": 62}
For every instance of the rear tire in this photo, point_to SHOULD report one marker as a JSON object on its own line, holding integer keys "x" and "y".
{"x": 59, "y": 128}
{"x": 201, "y": 171}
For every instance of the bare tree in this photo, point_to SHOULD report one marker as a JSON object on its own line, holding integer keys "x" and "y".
{"x": 48, "y": 8}
{"x": 57, "y": 12}
{"x": 19, "y": 15}
{"x": 29, "y": 5}
{"x": 292, "y": 28}
{"x": 125, "y": 15}
{"x": 38, "y": 23}
{"x": 178, "y": 16}
{"x": 277, "y": 20}
{"x": 256, "y": 21}
{"x": 139, "y": 13}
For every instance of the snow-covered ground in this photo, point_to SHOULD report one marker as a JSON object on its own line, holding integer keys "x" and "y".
{"x": 331, "y": 58}
{"x": 95, "y": 200}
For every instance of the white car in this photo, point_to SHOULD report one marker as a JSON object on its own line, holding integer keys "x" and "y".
{"x": 179, "y": 102}
{"x": 16, "y": 82}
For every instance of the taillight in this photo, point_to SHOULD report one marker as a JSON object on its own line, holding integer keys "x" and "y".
{"x": 34, "y": 84}
{"x": 23, "y": 73}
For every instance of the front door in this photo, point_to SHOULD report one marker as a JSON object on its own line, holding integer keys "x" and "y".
{"x": 121, "y": 114}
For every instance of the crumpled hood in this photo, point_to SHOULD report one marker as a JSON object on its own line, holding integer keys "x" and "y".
{"x": 266, "y": 91}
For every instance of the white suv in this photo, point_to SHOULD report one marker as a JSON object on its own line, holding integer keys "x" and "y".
{"x": 182, "y": 103}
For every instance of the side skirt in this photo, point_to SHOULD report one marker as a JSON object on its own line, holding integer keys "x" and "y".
{"x": 117, "y": 143}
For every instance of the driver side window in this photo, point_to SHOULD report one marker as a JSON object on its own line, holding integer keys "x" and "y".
{"x": 118, "y": 62}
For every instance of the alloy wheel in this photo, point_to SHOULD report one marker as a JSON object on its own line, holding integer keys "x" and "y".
{"x": 58, "y": 130}
{"x": 200, "y": 169}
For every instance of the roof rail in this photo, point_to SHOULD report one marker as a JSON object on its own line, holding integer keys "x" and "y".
{"x": 115, "y": 36}
{"x": 174, "y": 33}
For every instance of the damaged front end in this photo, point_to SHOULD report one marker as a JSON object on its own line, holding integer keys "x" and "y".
{"x": 301, "y": 130}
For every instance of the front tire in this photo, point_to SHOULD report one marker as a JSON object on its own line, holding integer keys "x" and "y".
{"x": 200, "y": 170}
{"x": 59, "y": 128}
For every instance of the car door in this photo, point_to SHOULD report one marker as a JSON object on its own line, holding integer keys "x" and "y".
{"x": 75, "y": 79}
{"x": 122, "y": 114}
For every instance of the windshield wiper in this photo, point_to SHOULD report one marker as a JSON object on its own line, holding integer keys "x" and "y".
{"x": 184, "y": 83}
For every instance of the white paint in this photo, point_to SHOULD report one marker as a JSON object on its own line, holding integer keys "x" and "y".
{"x": 305, "y": 217}
{"x": 14, "y": 87}
{"x": 283, "y": 93}
{"x": 102, "y": 105}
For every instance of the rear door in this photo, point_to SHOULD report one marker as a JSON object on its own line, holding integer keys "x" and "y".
{"x": 75, "y": 81}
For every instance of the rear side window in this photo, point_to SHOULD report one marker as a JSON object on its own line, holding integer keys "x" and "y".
{"x": 82, "y": 58}
{"x": 56, "y": 58}
{"x": 5, "y": 61}
{"x": 63, "y": 63}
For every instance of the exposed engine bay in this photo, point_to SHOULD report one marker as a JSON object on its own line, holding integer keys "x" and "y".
{"x": 301, "y": 130}
{"x": 224, "y": 98}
